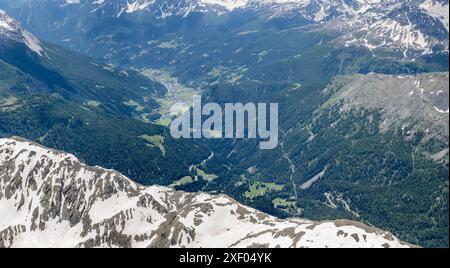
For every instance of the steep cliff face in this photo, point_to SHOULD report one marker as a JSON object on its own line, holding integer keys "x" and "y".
{"x": 50, "y": 199}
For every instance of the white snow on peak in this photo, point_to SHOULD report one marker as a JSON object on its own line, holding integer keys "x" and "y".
{"x": 11, "y": 29}
{"x": 138, "y": 6}
{"x": 98, "y": 2}
{"x": 233, "y": 4}
{"x": 437, "y": 10}
{"x": 72, "y": 1}
{"x": 228, "y": 4}
{"x": 380, "y": 24}
{"x": 6, "y": 22}
{"x": 370, "y": 23}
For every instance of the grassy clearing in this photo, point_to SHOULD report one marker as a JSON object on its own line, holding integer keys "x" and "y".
{"x": 183, "y": 181}
{"x": 92, "y": 103}
{"x": 8, "y": 104}
{"x": 282, "y": 203}
{"x": 8, "y": 101}
{"x": 241, "y": 181}
{"x": 297, "y": 86}
{"x": 155, "y": 141}
{"x": 259, "y": 189}
{"x": 206, "y": 177}
{"x": 135, "y": 105}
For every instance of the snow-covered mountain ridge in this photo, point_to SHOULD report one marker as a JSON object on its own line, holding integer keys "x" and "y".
{"x": 412, "y": 27}
{"x": 11, "y": 29}
{"x": 50, "y": 199}
{"x": 317, "y": 10}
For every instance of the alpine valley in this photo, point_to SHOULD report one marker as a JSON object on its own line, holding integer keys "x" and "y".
{"x": 363, "y": 93}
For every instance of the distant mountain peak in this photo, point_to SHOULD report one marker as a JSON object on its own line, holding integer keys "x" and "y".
{"x": 7, "y": 24}
{"x": 10, "y": 29}
{"x": 228, "y": 4}
{"x": 412, "y": 27}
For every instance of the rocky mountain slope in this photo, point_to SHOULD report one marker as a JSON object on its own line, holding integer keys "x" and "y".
{"x": 86, "y": 81}
{"x": 11, "y": 29}
{"x": 50, "y": 199}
